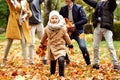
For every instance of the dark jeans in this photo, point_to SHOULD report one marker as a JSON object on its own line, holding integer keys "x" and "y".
{"x": 82, "y": 46}
{"x": 61, "y": 66}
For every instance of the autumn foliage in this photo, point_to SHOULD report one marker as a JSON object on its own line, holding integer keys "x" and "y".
{"x": 68, "y": 25}
{"x": 76, "y": 70}
{"x": 41, "y": 50}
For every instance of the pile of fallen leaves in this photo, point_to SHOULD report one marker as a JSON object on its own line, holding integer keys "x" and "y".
{"x": 76, "y": 70}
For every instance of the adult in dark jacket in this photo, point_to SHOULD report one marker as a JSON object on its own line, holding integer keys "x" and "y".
{"x": 36, "y": 26}
{"x": 103, "y": 24}
{"x": 77, "y": 16}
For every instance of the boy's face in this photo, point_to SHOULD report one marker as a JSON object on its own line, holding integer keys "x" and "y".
{"x": 54, "y": 19}
{"x": 68, "y": 2}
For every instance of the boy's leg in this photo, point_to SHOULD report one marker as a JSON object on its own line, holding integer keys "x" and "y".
{"x": 61, "y": 65}
{"x": 52, "y": 66}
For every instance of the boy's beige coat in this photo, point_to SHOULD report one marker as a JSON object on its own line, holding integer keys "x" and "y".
{"x": 56, "y": 42}
{"x": 13, "y": 31}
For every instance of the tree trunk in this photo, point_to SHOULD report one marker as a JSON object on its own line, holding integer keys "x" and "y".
{"x": 47, "y": 10}
{"x": 48, "y": 6}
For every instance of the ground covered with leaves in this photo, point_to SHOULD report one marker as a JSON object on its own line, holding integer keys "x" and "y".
{"x": 76, "y": 70}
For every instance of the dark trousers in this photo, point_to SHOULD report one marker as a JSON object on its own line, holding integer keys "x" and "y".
{"x": 61, "y": 66}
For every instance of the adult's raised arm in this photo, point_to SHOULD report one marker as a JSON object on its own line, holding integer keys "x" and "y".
{"x": 112, "y": 5}
{"x": 92, "y": 3}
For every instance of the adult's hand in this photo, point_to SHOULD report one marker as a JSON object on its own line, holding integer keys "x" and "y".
{"x": 29, "y": 1}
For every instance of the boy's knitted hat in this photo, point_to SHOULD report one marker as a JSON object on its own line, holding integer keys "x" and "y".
{"x": 54, "y": 12}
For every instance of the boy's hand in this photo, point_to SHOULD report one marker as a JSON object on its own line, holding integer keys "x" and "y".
{"x": 71, "y": 50}
{"x": 70, "y": 46}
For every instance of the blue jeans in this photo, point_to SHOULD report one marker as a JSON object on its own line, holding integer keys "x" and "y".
{"x": 82, "y": 46}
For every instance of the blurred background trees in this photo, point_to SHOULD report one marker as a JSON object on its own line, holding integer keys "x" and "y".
{"x": 3, "y": 13}
{"x": 49, "y": 5}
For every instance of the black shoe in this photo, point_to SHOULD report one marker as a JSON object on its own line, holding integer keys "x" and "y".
{"x": 116, "y": 67}
{"x": 88, "y": 65}
{"x": 96, "y": 66}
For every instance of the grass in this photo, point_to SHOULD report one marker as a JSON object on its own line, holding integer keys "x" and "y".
{"x": 89, "y": 44}
{"x": 103, "y": 44}
{"x": 2, "y": 37}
